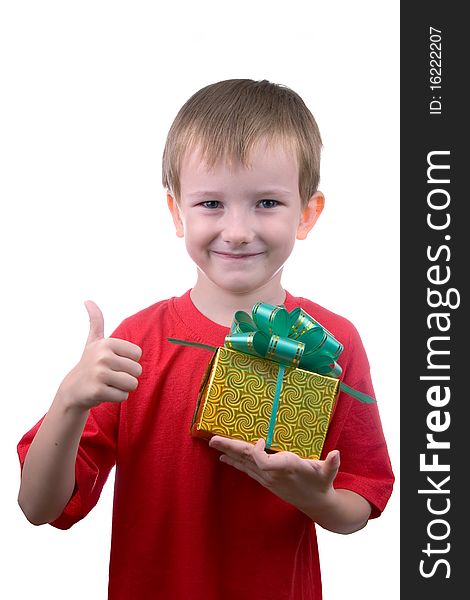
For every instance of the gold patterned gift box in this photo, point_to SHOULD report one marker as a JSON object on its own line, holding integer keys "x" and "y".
{"x": 276, "y": 378}
{"x": 236, "y": 400}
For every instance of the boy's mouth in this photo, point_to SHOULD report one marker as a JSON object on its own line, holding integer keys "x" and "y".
{"x": 236, "y": 256}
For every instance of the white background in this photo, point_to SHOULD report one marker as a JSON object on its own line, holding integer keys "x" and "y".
{"x": 89, "y": 90}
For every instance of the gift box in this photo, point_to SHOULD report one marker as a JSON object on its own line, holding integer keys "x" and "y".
{"x": 276, "y": 378}
{"x": 236, "y": 400}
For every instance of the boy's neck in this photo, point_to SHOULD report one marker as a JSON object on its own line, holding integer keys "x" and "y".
{"x": 220, "y": 305}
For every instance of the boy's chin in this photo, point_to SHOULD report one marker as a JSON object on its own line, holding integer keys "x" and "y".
{"x": 241, "y": 288}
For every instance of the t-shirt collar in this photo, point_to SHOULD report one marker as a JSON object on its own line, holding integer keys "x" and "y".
{"x": 201, "y": 327}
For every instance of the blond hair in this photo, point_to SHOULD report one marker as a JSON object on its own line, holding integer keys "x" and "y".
{"x": 225, "y": 120}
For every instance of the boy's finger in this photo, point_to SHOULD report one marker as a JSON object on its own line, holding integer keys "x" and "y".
{"x": 228, "y": 445}
{"x": 236, "y": 449}
{"x": 96, "y": 322}
{"x": 331, "y": 464}
{"x": 125, "y": 349}
{"x": 262, "y": 459}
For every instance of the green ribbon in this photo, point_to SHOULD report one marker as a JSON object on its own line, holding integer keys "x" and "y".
{"x": 292, "y": 339}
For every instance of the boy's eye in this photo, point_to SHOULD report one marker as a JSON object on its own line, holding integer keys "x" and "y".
{"x": 267, "y": 203}
{"x": 210, "y": 204}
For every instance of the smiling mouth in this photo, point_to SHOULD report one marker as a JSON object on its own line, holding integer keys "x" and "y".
{"x": 236, "y": 256}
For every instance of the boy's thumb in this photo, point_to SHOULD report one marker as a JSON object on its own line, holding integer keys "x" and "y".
{"x": 96, "y": 322}
{"x": 332, "y": 463}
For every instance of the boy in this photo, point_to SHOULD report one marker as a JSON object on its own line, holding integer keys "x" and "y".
{"x": 241, "y": 166}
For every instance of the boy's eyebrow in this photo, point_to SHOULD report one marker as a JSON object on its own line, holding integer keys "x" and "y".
{"x": 204, "y": 194}
{"x": 265, "y": 192}
{"x": 273, "y": 192}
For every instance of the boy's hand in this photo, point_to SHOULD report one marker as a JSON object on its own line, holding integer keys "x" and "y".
{"x": 107, "y": 371}
{"x": 306, "y": 484}
{"x": 299, "y": 481}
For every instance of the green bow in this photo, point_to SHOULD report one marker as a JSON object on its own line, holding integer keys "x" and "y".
{"x": 292, "y": 339}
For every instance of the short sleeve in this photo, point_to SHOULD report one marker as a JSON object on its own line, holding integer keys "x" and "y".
{"x": 356, "y": 431}
{"x": 95, "y": 459}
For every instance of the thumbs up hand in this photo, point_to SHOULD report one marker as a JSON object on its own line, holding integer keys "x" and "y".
{"x": 107, "y": 371}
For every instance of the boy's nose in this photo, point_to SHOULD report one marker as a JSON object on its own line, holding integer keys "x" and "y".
{"x": 237, "y": 229}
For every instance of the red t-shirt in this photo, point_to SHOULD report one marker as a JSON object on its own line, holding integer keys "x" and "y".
{"x": 186, "y": 525}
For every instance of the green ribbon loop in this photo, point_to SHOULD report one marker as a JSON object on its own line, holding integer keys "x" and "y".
{"x": 293, "y": 339}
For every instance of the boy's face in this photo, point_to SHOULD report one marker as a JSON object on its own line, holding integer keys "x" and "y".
{"x": 240, "y": 224}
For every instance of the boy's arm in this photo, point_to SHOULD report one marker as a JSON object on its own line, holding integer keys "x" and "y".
{"x": 48, "y": 475}
{"x": 107, "y": 372}
{"x": 306, "y": 484}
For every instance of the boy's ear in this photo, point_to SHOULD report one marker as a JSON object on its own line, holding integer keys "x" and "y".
{"x": 310, "y": 214}
{"x": 176, "y": 214}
